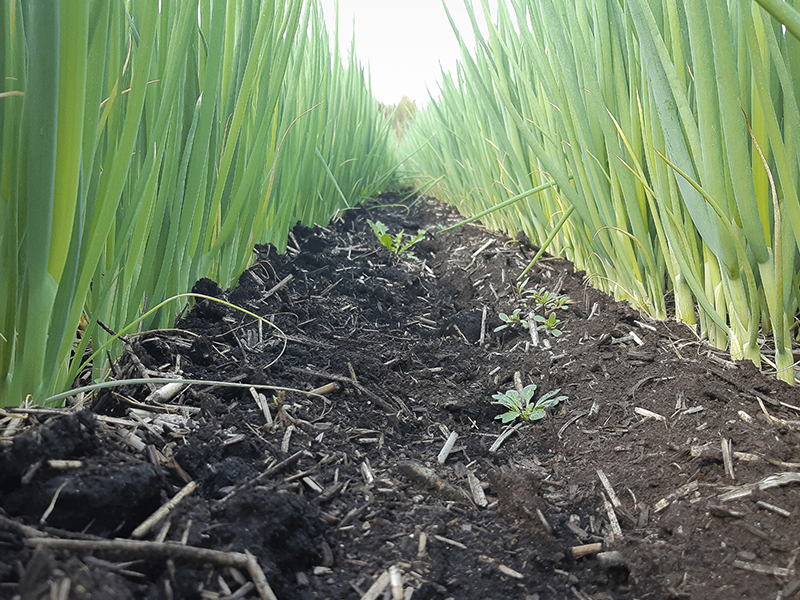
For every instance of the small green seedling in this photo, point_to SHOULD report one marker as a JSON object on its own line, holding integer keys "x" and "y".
{"x": 561, "y": 302}
{"x": 396, "y": 244}
{"x": 513, "y": 320}
{"x": 519, "y": 289}
{"x": 550, "y": 324}
{"x": 524, "y": 407}
{"x": 545, "y": 299}
{"x": 542, "y": 297}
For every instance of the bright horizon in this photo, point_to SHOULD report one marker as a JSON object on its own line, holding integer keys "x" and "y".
{"x": 402, "y": 45}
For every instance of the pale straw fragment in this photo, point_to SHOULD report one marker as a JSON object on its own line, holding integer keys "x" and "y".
{"x": 727, "y": 458}
{"x": 163, "y": 511}
{"x": 377, "y": 588}
{"x": 447, "y": 448}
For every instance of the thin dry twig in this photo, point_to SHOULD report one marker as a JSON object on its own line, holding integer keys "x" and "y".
{"x": 504, "y": 436}
{"x": 163, "y": 511}
{"x": 135, "y": 549}
{"x": 258, "y": 577}
{"x": 612, "y": 495}
{"x": 268, "y": 473}
{"x": 384, "y": 404}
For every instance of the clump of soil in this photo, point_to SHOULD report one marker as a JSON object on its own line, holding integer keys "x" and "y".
{"x": 668, "y": 472}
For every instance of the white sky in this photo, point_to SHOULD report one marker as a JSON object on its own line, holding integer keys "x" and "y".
{"x": 403, "y": 44}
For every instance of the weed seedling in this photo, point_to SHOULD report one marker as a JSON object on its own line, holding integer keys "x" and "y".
{"x": 561, "y": 302}
{"x": 544, "y": 299}
{"x": 549, "y": 325}
{"x": 399, "y": 244}
{"x": 524, "y": 407}
{"x": 513, "y": 320}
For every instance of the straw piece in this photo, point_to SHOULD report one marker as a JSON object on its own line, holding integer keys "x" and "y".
{"x": 777, "y": 510}
{"x": 503, "y": 436}
{"x": 135, "y": 549}
{"x": 649, "y": 414}
{"x": 510, "y": 572}
{"x": 257, "y": 574}
{"x": 765, "y": 569}
{"x": 450, "y": 542}
{"x": 423, "y": 542}
{"x": 612, "y": 517}
{"x": 377, "y": 588}
{"x": 585, "y": 550}
{"x": 727, "y": 459}
{"x": 163, "y": 511}
{"x": 476, "y": 488}
{"x": 682, "y": 491}
{"x": 482, "y": 341}
{"x": 610, "y": 490}
{"x": 287, "y": 436}
{"x": 448, "y": 447}
{"x": 396, "y": 583}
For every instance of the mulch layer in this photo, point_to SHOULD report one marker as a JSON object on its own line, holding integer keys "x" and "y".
{"x": 361, "y": 458}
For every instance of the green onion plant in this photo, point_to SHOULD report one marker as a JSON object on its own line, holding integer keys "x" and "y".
{"x": 146, "y": 145}
{"x": 669, "y": 131}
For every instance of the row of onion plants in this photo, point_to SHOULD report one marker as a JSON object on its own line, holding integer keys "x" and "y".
{"x": 665, "y": 132}
{"x": 146, "y": 145}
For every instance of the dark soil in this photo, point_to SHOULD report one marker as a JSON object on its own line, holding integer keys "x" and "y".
{"x": 345, "y": 484}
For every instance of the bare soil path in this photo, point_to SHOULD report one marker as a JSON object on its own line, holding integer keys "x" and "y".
{"x": 668, "y": 472}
